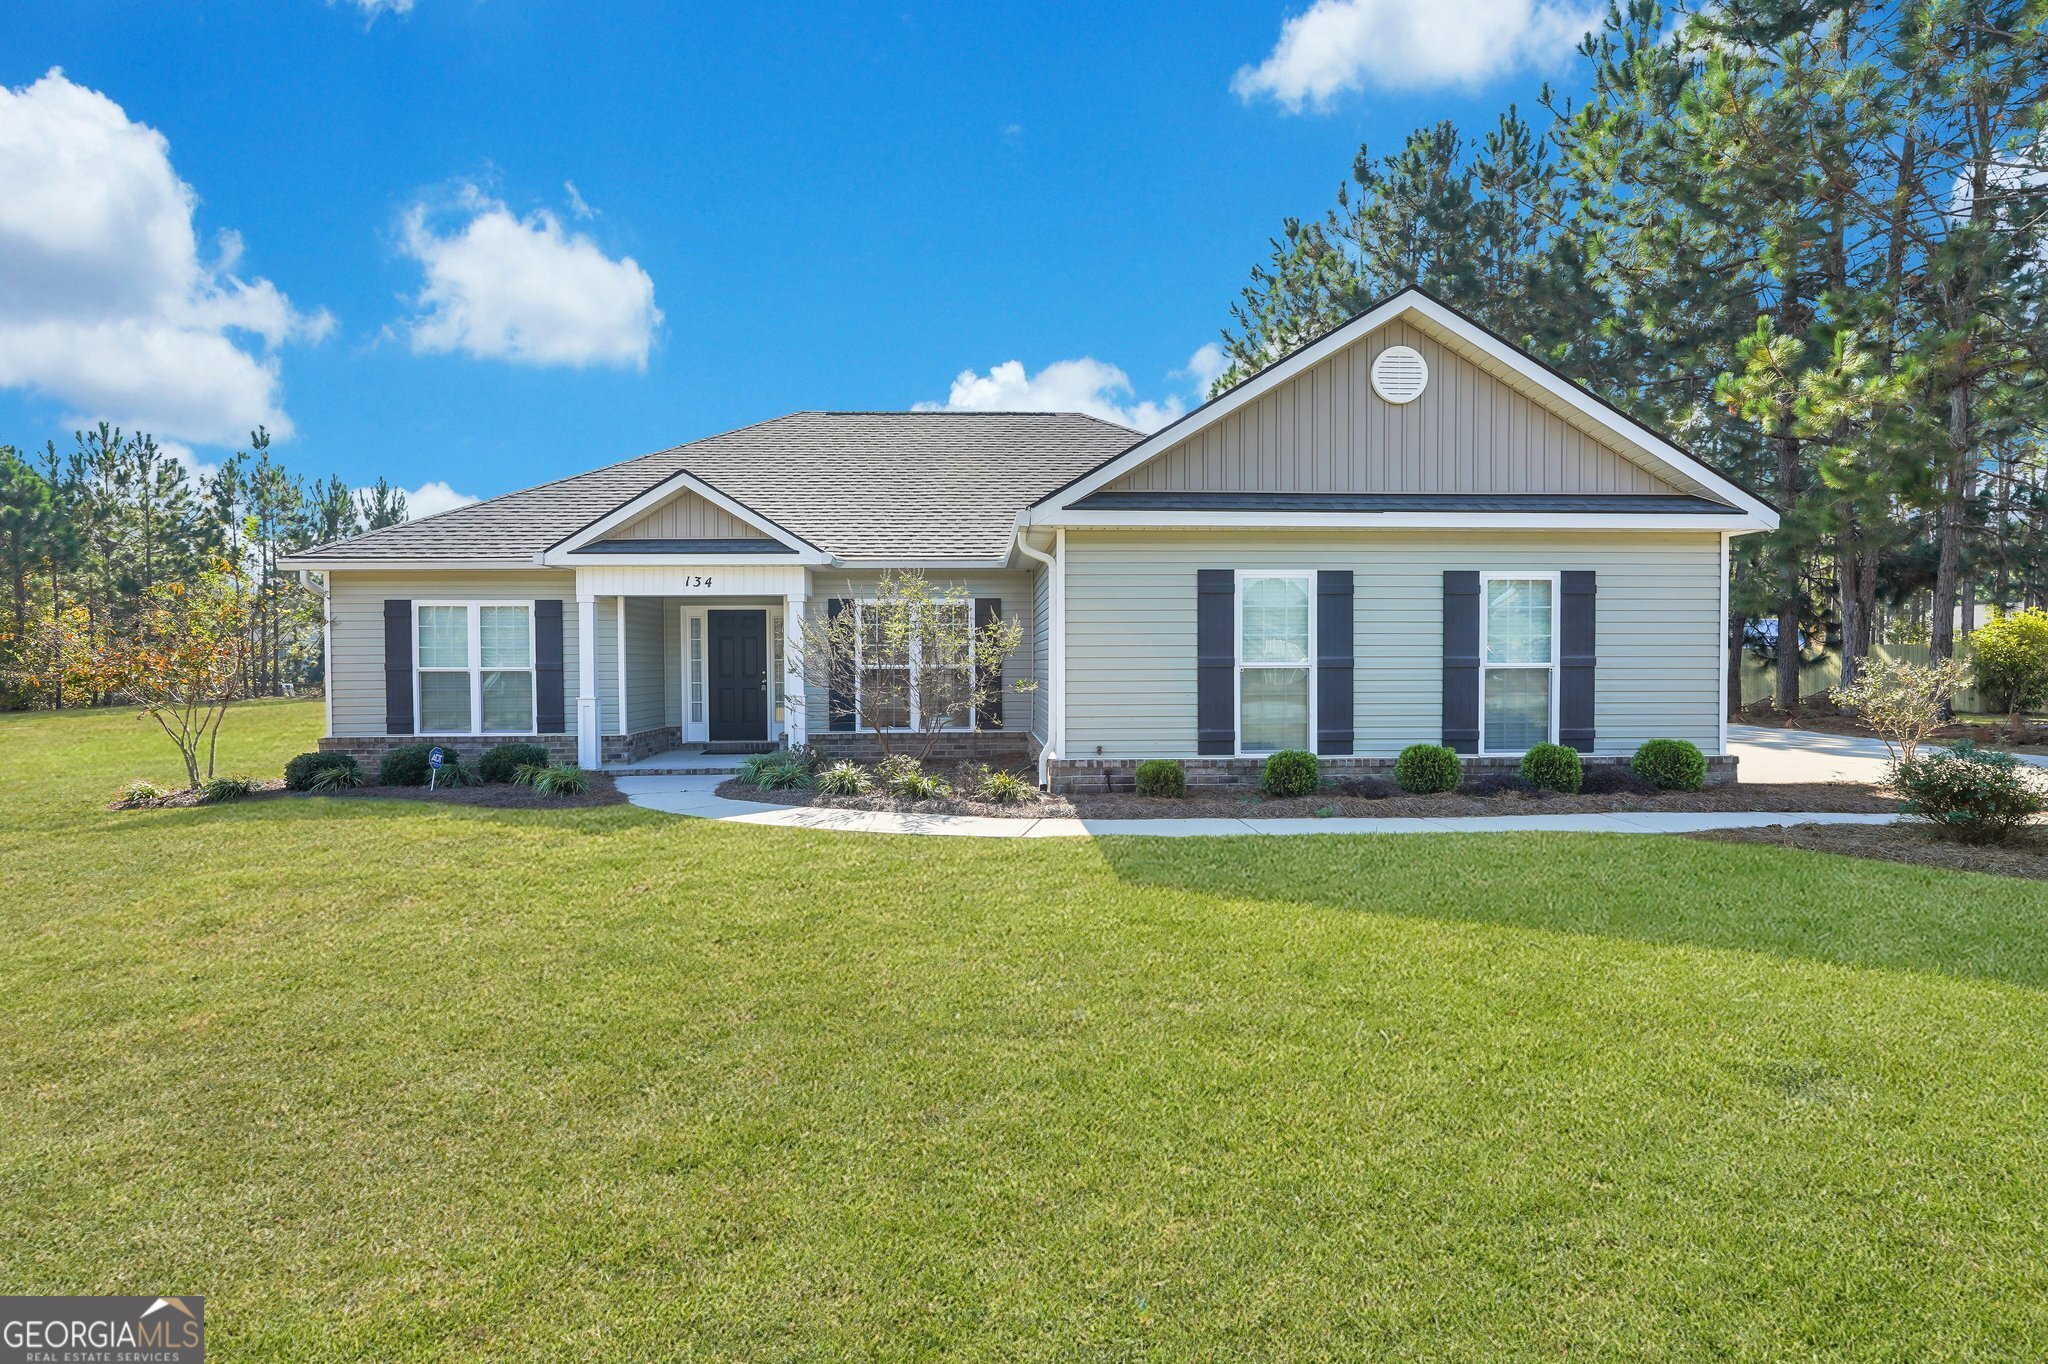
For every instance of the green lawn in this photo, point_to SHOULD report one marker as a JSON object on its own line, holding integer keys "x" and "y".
{"x": 391, "y": 1081}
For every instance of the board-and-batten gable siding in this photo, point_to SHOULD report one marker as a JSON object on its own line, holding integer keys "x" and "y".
{"x": 686, "y": 516}
{"x": 356, "y": 609}
{"x": 1325, "y": 430}
{"x": 1012, "y": 588}
{"x": 1131, "y": 629}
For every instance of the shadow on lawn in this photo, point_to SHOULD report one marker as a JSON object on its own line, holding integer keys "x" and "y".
{"x": 1662, "y": 890}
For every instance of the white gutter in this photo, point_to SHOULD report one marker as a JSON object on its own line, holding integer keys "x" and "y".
{"x": 1056, "y": 647}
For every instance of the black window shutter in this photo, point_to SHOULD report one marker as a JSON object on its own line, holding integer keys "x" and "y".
{"x": 397, "y": 666}
{"x": 1334, "y": 650}
{"x": 550, "y": 711}
{"x": 1576, "y": 659}
{"x": 837, "y": 703}
{"x": 987, "y": 611}
{"x": 1215, "y": 660}
{"x": 1461, "y": 660}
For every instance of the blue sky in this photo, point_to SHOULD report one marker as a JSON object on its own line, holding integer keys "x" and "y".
{"x": 355, "y": 219}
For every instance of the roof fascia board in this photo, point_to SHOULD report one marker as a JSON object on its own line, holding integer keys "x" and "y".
{"x": 1438, "y": 315}
{"x": 397, "y": 564}
{"x": 682, "y": 480}
{"x": 1738, "y": 523}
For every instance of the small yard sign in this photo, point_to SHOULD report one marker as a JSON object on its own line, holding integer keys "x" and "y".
{"x": 434, "y": 759}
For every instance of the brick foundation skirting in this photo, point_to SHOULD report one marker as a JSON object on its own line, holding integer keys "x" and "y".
{"x": 997, "y": 747}
{"x": 1069, "y": 775}
{"x": 369, "y": 751}
{"x": 631, "y": 748}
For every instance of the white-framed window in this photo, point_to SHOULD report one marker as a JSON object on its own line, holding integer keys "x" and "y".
{"x": 776, "y": 702}
{"x": 1517, "y": 662}
{"x": 696, "y": 678}
{"x": 1276, "y": 652}
{"x": 473, "y": 667}
{"x": 878, "y": 658}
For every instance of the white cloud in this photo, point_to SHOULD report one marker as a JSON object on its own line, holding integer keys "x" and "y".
{"x": 372, "y": 8}
{"x": 578, "y": 206}
{"x": 1084, "y": 385}
{"x": 501, "y": 287}
{"x": 106, "y": 303}
{"x": 432, "y": 497}
{"x": 1343, "y": 45}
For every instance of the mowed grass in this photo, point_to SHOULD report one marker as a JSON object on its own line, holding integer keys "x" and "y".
{"x": 390, "y": 1081}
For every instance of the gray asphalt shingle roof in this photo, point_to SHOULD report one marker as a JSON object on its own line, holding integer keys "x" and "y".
{"x": 858, "y": 485}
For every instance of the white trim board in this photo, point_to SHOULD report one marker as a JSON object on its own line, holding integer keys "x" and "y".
{"x": 1757, "y": 515}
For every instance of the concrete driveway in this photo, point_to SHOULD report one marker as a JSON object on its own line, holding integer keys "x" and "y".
{"x": 1790, "y": 755}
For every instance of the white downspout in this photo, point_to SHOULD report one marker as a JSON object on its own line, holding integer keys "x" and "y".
{"x": 326, "y": 641}
{"x": 1056, "y": 647}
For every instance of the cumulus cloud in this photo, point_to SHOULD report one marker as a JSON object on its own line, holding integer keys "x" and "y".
{"x": 502, "y": 287}
{"x": 1084, "y": 385}
{"x": 1336, "y": 46}
{"x": 372, "y": 8}
{"x": 107, "y": 303}
{"x": 430, "y": 498}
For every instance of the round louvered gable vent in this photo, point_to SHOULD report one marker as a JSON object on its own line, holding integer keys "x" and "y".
{"x": 1400, "y": 374}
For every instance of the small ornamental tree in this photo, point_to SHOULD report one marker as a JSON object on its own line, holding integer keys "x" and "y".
{"x": 906, "y": 662}
{"x": 2009, "y": 655}
{"x": 182, "y": 659}
{"x": 1904, "y": 702}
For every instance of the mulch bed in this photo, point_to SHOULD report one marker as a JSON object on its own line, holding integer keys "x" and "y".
{"x": 1900, "y": 843}
{"x": 496, "y": 796}
{"x": 1373, "y": 798}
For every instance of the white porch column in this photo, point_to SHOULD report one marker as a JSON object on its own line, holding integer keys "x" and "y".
{"x": 792, "y": 678}
{"x": 589, "y": 749}
{"x": 619, "y": 638}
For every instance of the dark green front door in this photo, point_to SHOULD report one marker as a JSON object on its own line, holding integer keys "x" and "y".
{"x": 739, "y": 675}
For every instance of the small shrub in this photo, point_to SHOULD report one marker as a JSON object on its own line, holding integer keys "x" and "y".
{"x": 502, "y": 763}
{"x": 895, "y": 767}
{"x": 301, "y": 773}
{"x": 1904, "y": 702}
{"x": 1425, "y": 769}
{"x": 2009, "y": 655}
{"x": 845, "y": 779}
{"x": 1671, "y": 764}
{"x": 750, "y": 766}
{"x": 1290, "y": 772}
{"x": 1553, "y": 767}
{"x": 1162, "y": 777}
{"x": 787, "y": 775}
{"x": 140, "y": 792}
{"x": 221, "y": 790}
{"x": 555, "y": 779}
{"x": 406, "y": 765}
{"x": 1968, "y": 794}
{"x": 999, "y": 787}
{"x": 337, "y": 779}
{"x": 917, "y": 784}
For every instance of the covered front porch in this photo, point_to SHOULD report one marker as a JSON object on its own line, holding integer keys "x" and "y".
{"x": 687, "y": 667}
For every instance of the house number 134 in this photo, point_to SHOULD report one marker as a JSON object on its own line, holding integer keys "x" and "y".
{"x": 697, "y": 580}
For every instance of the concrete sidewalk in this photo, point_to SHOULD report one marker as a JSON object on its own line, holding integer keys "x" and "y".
{"x": 697, "y": 798}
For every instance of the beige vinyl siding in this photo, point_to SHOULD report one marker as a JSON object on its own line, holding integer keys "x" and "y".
{"x": 1131, "y": 629}
{"x": 646, "y": 670}
{"x": 1327, "y": 431}
{"x": 1041, "y": 653}
{"x": 686, "y": 516}
{"x": 673, "y": 633}
{"x": 356, "y": 630}
{"x": 1014, "y": 589}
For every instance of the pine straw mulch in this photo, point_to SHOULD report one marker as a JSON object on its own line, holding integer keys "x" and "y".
{"x": 496, "y": 796}
{"x": 1904, "y": 842}
{"x": 1375, "y": 798}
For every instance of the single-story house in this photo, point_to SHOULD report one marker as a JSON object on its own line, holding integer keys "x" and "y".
{"x": 1405, "y": 530}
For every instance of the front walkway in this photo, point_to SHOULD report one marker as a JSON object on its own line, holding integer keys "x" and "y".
{"x": 697, "y": 797}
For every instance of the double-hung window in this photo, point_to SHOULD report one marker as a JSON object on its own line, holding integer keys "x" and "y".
{"x": 475, "y": 667}
{"x": 908, "y": 674}
{"x": 1518, "y": 661}
{"x": 1275, "y": 660}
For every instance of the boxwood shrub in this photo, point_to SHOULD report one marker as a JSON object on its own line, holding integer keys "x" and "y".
{"x": 502, "y": 763}
{"x": 1424, "y": 769}
{"x": 301, "y": 772}
{"x": 1290, "y": 772}
{"x": 1674, "y": 764}
{"x": 408, "y": 766}
{"x": 1553, "y": 767}
{"x": 1162, "y": 777}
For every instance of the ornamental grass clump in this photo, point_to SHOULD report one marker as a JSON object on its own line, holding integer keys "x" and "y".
{"x": 553, "y": 779}
{"x": 303, "y": 772}
{"x": 141, "y": 793}
{"x": 502, "y": 763}
{"x": 221, "y": 790}
{"x": 1553, "y": 767}
{"x": 1000, "y": 787}
{"x": 914, "y": 783}
{"x": 845, "y": 779}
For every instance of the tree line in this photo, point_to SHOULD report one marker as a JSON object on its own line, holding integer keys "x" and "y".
{"x": 1805, "y": 239}
{"x": 89, "y": 534}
